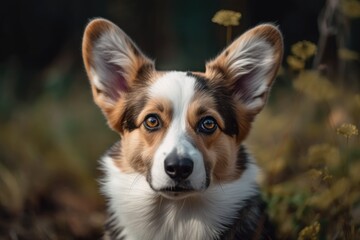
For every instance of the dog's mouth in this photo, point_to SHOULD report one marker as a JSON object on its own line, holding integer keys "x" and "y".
{"x": 177, "y": 192}
{"x": 177, "y": 189}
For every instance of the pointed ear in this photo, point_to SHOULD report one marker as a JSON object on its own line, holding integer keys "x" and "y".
{"x": 112, "y": 62}
{"x": 249, "y": 65}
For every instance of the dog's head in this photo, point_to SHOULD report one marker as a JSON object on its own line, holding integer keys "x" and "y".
{"x": 181, "y": 130}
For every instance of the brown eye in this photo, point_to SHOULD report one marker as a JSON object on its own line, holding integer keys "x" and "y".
{"x": 152, "y": 122}
{"x": 207, "y": 125}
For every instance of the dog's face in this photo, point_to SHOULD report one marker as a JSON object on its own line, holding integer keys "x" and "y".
{"x": 181, "y": 130}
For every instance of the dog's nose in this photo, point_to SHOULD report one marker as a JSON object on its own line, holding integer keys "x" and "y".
{"x": 178, "y": 168}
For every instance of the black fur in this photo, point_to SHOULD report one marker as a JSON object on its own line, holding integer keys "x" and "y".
{"x": 252, "y": 223}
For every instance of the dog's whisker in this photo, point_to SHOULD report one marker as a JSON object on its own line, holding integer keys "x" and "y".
{"x": 136, "y": 179}
{"x": 183, "y": 204}
{"x": 219, "y": 183}
{"x": 160, "y": 202}
{"x": 222, "y": 189}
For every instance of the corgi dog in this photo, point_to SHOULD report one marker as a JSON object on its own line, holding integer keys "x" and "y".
{"x": 180, "y": 169}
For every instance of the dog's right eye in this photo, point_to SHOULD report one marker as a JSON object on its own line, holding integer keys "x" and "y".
{"x": 152, "y": 122}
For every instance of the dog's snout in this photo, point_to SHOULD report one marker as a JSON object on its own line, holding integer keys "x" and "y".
{"x": 177, "y": 167}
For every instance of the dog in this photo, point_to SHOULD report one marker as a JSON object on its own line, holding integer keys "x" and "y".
{"x": 180, "y": 169}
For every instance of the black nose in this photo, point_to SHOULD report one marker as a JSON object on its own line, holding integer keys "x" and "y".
{"x": 178, "y": 168}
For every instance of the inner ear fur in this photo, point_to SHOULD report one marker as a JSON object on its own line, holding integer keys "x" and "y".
{"x": 113, "y": 64}
{"x": 249, "y": 66}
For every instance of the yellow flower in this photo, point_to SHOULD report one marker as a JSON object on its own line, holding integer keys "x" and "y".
{"x": 326, "y": 198}
{"x": 227, "y": 18}
{"x": 303, "y": 49}
{"x": 347, "y": 130}
{"x": 314, "y": 85}
{"x": 347, "y": 54}
{"x": 310, "y": 232}
{"x": 327, "y": 177}
{"x": 295, "y": 63}
{"x": 350, "y": 8}
{"x": 314, "y": 174}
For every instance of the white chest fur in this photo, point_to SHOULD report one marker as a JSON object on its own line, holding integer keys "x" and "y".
{"x": 144, "y": 214}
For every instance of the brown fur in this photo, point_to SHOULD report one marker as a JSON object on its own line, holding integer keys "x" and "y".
{"x": 141, "y": 144}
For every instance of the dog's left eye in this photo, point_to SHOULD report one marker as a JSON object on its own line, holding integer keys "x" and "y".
{"x": 207, "y": 125}
{"x": 152, "y": 122}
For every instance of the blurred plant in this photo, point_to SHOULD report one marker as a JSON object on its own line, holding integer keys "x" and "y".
{"x": 347, "y": 130}
{"x": 325, "y": 199}
{"x": 326, "y": 177}
{"x": 354, "y": 172}
{"x": 324, "y": 154}
{"x": 228, "y": 19}
{"x": 323, "y": 183}
{"x": 350, "y": 8}
{"x": 314, "y": 85}
{"x": 347, "y": 54}
{"x": 47, "y": 186}
{"x": 315, "y": 174}
{"x": 11, "y": 194}
{"x": 301, "y": 51}
{"x": 357, "y": 100}
{"x": 295, "y": 63}
{"x": 310, "y": 232}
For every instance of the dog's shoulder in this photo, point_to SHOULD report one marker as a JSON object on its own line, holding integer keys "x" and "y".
{"x": 252, "y": 222}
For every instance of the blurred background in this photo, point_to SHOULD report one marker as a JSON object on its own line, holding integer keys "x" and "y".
{"x": 52, "y": 134}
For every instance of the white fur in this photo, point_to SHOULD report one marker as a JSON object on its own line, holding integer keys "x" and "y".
{"x": 255, "y": 56}
{"x": 146, "y": 215}
{"x": 179, "y": 89}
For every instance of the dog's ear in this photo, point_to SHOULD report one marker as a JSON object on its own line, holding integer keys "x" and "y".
{"x": 112, "y": 62}
{"x": 249, "y": 65}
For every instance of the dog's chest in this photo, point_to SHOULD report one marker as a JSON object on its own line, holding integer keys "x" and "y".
{"x": 169, "y": 221}
{"x": 137, "y": 212}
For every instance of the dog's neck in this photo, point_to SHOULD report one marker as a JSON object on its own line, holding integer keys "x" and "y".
{"x": 137, "y": 212}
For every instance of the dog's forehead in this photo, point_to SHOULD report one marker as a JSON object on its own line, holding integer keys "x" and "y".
{"x": 178, "y": 87}
{"x": 182, "y": 88}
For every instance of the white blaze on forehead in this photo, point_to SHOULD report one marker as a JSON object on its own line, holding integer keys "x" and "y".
{"x": 179, "y": 89}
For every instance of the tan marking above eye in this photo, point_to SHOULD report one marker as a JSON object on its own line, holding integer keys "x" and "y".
{"x": 158, "y": 107}
{"x": 202, "y": 107}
